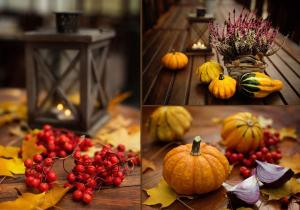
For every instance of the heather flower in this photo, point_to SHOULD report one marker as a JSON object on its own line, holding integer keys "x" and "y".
{"x": 245, "y": 34}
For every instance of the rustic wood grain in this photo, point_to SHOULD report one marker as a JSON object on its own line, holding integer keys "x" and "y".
{"x": 127, "y": 196}
{"x": 160, "y": 87}
{"x": 283, "y": 116}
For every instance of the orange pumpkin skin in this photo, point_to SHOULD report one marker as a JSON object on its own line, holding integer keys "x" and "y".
{"x": 190, "y": 174}
{"x": 242, "y": 132}
{"x": 174, "y": 60}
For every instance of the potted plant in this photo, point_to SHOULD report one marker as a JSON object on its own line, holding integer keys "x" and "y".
{"x": 243, "y": 41}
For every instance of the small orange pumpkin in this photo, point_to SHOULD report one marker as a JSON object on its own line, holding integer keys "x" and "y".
{"x": 242, "y": 132}
{"x": 174, "y": 60}
{"x": 196, "y": 168}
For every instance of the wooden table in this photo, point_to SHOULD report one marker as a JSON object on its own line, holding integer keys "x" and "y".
{"x": 161, "y": 86}
{"x": 127, "y": 196}
{"x": 202, "y": 125}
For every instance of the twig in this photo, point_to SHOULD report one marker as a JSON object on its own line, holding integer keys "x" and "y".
{"x": 183, "y": 203}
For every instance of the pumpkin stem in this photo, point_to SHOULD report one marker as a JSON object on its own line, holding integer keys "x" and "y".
{"x": 196, "y": 146}
{"x": 221, "y": 77}
{"x": 173, "y": 51}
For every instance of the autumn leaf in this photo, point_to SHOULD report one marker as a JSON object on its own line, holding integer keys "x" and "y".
{"x": 9, "y": 152}
{"x": 161, "y": 194}
{"x": 129, "y": 138}
{"x": 10, "y": 111}
{"x": 53, "y": 196}
{"x": 114, "y": 124}
{"x": 217, "y": 120}
{"x": 291, "y": 162}
{"x": 288, "y": 133}
{"x": 117, "y": 100}
{"x": 289, "y": 188}
{"x": 147, "y": 164}
{"x": 264, "y": 122}
{"x": 9, "y": 167}
{"x": 28, "y": 201}
{"x": 30, "y": 148}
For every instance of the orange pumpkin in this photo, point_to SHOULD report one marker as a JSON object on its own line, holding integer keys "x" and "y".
{"x": 174, "y": 60}
{"x": 242, "y": 132}
{"x": 195, "y": 168}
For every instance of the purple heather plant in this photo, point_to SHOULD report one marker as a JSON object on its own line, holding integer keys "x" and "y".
{"x": 243, "y": 35}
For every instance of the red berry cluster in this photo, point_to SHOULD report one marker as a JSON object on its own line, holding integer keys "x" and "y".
{"x": 60, "y": 142}
{"x": 269, "y": 153}
{"x": 107, "y": 167}
{"x": 38, "y": 174}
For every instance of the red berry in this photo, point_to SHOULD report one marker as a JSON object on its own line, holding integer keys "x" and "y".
{"x": 37, "y": 158}
{"x": 68, "y": 147}
{"x": 233, "y": 158}
{"x": 48, "y": 162}
{"x": 285, "y": 200}
{"x": 79, "y": 168}
{"x": 67, "y": 185}
{"x": 62, "y": 153}
{"x": 253, "y": 157}
{"x": 117, "y": 181}
{"x": 258, "y": 155}
{"x": 108, "y": 180}
{"x": 76, "y": 155}
{"x": 121, "y": 148}
{"x": 80, "y": 186}
{"x": 87, "y": 198}
{"x": 264, "y": 150}
{"x": 47, "y": 127}
{"x": 71, "y": 177}
{"x": 77, "y": 195}
{"x": 91, "y": 183}
{"x": 228, "y": 154}
{"x": 240, "y": 156}
{"x": 51, "y": 176}
{"x": 247, "y": 162}
{"x": 243, "y": 169}
{"x": 29, "y": 181}
{"x": 52, "y": 155}
{"x": 246, "y": 173}
{"x": 28, "y": 163}
{"x": 91, "y": 170}
{"x": 89, "y": 191}
{"x": 35, "y": 183}
{"x": 114, "y": 160}
{"x": 39, "y": 167}
{"x": 43, "y": 187}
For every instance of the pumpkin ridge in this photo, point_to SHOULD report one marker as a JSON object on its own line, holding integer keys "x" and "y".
{"x": 217, "y": 158}
{"x": 177, "y": 152}
{"x": 216, "y": 165}
{"x": 173, "y": 169}
{"x": 211, "y": 172}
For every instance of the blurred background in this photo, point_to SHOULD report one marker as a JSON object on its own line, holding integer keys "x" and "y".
{"x": 19, "y": 16}
{"x": 282, "y": 14}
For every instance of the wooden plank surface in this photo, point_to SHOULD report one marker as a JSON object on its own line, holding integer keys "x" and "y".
{"x": 127, "y": 196}
{"x": 283, "y": 116}
{"x": 161, "y": 86}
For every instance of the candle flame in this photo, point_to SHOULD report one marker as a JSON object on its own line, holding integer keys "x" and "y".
{"x": 67, "y": 112}
{"x": 60, "y": 107}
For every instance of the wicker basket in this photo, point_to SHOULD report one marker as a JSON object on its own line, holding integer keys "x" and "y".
{"x": 245, "y": 64}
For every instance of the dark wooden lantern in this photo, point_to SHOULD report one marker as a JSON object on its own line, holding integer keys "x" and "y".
{"x": 198, "y": 31}
{"x": 66, "y": 78}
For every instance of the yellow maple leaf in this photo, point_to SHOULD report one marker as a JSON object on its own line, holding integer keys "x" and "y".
{"x": 9, "y": 152}
{"x": 28, "y": 201}
{"x": 161, "y": 194}
{"x": 288, "y": 133}
{"x": 53, "y": 196}
{"x": 41, "y": 201}
{"x": 9, "y": 167}
{"x": 289, "y": 188}
{"x": 129, "y": 137}
{"x": 291, "y": 162}
{"x": 147, "y": 164}
{"x": 30, "y": 148}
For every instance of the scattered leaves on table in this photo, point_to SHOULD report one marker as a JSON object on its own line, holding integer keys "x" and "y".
{"x": 288, "y": 133}
{"x": 217, "y": 120}
{"x": 264, "y": 122}
{"x": 147, "y": 164}
{"x": 41, "y": 201}
{"x": 289, "y": 188}
{"x": 10, "y": 111}
{"x": 161, "y": 194}
{"x": 91, "y": 151}
{"x": 53, "y": 196}
{"x": 30, "y": 148}
{"x": 9, "y": 152}
{"x": 9, "y": 167}
{"x": 114, "y": 124}
{"x": 17, "y": 131}
{"x": 292, "y": 162}
{"x": 117, "y": 100}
